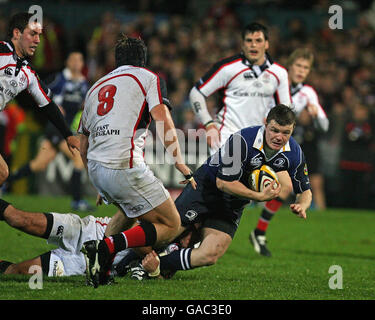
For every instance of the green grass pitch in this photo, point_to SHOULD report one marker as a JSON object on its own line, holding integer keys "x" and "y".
{"x": 303, "y": 252}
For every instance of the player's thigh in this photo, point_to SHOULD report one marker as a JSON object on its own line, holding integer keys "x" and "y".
{"x": 45, "y": 155}
{"x": 4, "y": 170}
{"x": 286, "y": 183}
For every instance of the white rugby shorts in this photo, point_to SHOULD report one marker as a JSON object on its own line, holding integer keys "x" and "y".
{"x": 136, "y": 190}
{"x": 69, "y": 232}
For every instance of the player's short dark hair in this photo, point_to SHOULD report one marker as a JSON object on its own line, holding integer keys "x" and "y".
{"x": 130, "y": 51}
{"x": 282, "y": 114}
{"x": 18, "y": 21}
{"x": 254, "y": 27}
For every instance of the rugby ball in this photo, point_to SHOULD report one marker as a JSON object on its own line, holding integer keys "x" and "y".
{"x": 262, "y": 177}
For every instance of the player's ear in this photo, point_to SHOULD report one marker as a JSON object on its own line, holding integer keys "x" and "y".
{"x": 265, "y": 121}
{"x": 16, "y": 33}
{"x": 267, "y": 45}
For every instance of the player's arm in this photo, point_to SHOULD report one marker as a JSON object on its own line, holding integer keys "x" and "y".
{"x": 84, "y": 141}
{"x": 50, "y": 109}
{"x": 199, "y": 105}
{"x": 232, "y": 157}
{"x": 302, "y": 203}
{"x": 316, "y": 111}
{"x": 283, "y": 91}
{"x": 301, "y": 186}
{"x": 167, "y": 133}
{"x": 238, "y": 189}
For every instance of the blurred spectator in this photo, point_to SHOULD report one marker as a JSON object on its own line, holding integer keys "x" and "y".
{"x": 357, "y": 159}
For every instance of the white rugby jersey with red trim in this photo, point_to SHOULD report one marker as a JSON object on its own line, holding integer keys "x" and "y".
{"x": 302, "y": 96}
{"x": 116, "y": 115}
{"x": 248, "y": 91}
{"x": 16, "y": 75}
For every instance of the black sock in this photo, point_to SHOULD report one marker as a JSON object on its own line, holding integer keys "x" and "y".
{"x": 24, "y": 171}
{"x": 75, "y": 184}
{"x": 4, "y": 265}
{"x": 3, "y": 206}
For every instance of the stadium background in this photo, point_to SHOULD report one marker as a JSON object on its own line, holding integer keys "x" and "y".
{"x": 184, "y": 39}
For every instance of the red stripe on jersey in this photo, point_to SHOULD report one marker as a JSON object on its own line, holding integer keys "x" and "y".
{"x": 8, "y": 65}
{"x": 158, "y": 84}
{"x": 238, "y": 73}
{"x": 40, "y": 87}
{"x": 280, "y": 66}
{"x": 213, "y": 75}
{"x": 134, "y": 130}
{"x": 101, "y": 223}
{"x": 121, "y": 75}
{"x": 13, "y": 65}
{"x": 277, "y": 78}
{"x": 225, "y": 111}
{"x": 6, "y": 54}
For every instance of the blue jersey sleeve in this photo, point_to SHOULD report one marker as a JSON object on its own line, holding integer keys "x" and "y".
{"x": 299, "y": 173}
{"x": 231, "y": 158}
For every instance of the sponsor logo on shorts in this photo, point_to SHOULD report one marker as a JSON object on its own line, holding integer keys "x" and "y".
{"x": 60, "y": 230}
{"x": 191, "y": 215}
{"x": 137, "y": 208}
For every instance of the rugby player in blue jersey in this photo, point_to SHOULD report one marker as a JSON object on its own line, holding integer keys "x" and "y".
{"x": 223, "y": 189}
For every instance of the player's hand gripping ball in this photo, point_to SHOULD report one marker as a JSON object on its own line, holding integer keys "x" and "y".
{"x": 263, "y": 177}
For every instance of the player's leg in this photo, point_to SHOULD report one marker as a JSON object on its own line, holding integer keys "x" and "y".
{"x": 78, "y": 203}
{"x": 141, "y": 195}
{"x": 24, "y": 266}
{"x": 45, "y": 155}
{"x": 4, "y": 170}
{"x": 317, "y": 187}
{"x": 34, "y": 223}
{"x": 258, "y": 236}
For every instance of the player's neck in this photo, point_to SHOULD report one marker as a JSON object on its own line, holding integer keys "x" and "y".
{"x": 268, "y": 151}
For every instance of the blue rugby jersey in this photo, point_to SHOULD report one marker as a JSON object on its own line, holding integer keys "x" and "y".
{"x": 243, "y": 152}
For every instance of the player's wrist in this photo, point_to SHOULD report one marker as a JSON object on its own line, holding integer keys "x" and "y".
{"x": 209, "y": 123}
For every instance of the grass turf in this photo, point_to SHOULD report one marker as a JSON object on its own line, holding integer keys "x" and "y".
{"x": 302, "y": 253}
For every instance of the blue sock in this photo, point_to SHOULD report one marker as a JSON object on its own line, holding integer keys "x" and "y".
{"x": 176, "y": 260}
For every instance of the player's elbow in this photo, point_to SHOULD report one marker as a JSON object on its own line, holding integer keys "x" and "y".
{"x": 220, "y": 184}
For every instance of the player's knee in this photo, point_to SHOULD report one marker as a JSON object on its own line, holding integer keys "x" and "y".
{"x": 4, "y": 174}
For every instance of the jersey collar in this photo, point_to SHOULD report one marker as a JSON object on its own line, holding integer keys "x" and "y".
{"x": 259, "y": 142}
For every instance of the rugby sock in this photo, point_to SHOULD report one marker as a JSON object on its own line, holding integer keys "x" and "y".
{"x": 268, "y": 212}
{"x": 176, "y": 260}
{"x": 24, "y": 171}
{"x": 142, "y": 235}
{"x": 3, "y": 205}
{"x": 75, "y": 184}
{"x": 4, "y": 265}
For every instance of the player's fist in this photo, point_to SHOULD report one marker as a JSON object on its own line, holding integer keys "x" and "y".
{"x": 213, "y": 136}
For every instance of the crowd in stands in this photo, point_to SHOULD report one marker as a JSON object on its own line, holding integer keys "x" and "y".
{"x": 181, "y": 50}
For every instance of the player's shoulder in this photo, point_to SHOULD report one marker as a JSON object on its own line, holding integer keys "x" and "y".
{"x": 5, "y": 48}
{"x": 278, "y": 68}
{"x": 251, "y": 133}
{"x": 295, "y": 149}
{"x": 229, "y": 60}
{"x": 309, "y": 90}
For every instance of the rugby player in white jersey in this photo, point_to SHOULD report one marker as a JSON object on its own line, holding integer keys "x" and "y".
{"x": 16, "y": 75}
{"x": 117, "y": 112}
{"x": 251, "y": 84}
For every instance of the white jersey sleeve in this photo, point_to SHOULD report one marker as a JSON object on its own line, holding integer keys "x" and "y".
{"x": 312, "y": 98}
{"x": 282, "y": 92}
{"x": 38, "y": 90}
